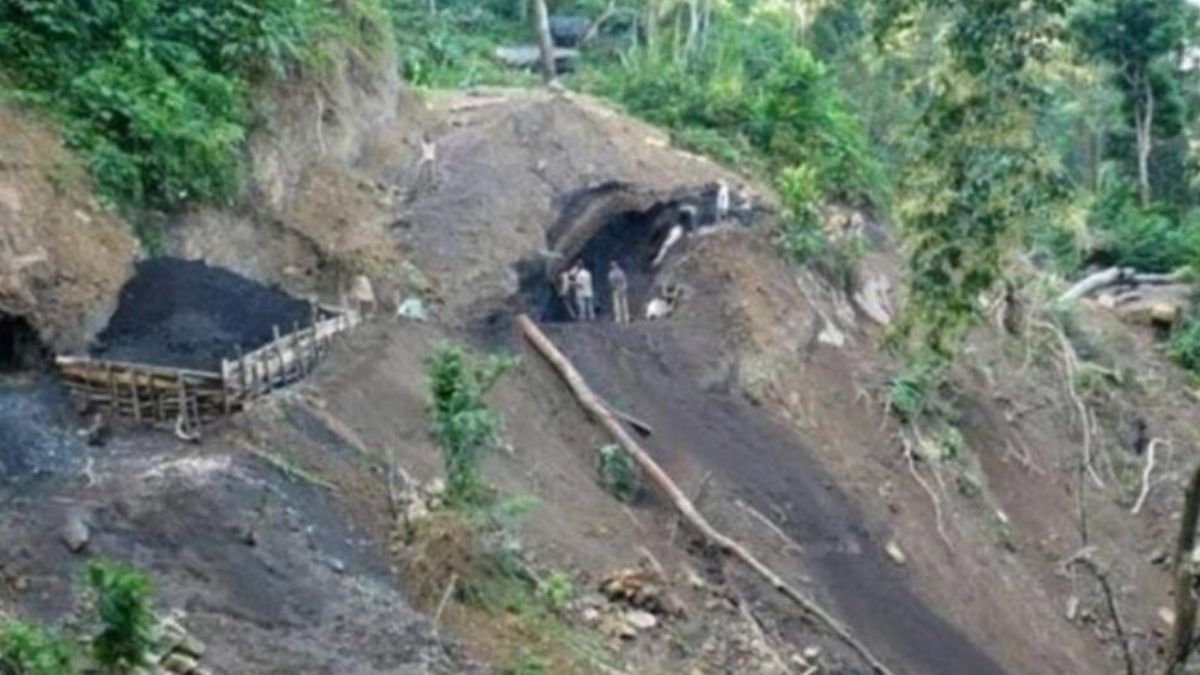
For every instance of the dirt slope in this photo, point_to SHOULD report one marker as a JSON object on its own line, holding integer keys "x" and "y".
{"x": 62, "y": 256}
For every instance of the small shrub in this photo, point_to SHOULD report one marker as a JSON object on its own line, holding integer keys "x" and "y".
{"x": 557, "y": 590}
{"x": 911, "y": 392}
{"x": 1184, "y": 347}
{"x": 31, "y": 650}
{"x": 126, "y": 618}
{"x": 619, "y": 474}
{"x": 800, "y": 235}
{"x": 462, "y": 423}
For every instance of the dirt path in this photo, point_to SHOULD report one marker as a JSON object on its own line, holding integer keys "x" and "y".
{"x": 654, "y": 373}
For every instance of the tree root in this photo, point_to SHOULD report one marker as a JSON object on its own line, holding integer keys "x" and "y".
{"x": 1070, "y": 368}
{"x": 910, "y": 456}
{"x": 1146, "y": 473}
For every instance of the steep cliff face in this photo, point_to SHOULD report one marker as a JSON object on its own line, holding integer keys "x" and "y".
{"x": 63, "y": 257}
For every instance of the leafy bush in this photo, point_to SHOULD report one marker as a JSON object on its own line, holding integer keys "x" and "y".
{"x": 454, "y": 47}
{"x": 31, "y": 650}
{"x": 126, "y": 618}
{"x": 800, "y": 234}
{"x": 1184, "y": 347}
{"x": 753, "y": 95}
{"x": 619, "y": 473}
{"x": 1148, "y": 240}
{"x": 154, "y": 92}
{"x": 462, "y": 423}
{"x": 911, "y": 392}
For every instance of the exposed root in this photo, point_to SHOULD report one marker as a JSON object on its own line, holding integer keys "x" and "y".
{"x": 910, "y": 456}
{"x": 1146, "y": 474}
{"x": 1084, "y": 559}
{"x": 1070, "y": 367}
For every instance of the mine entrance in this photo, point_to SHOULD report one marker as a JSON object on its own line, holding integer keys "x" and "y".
{"x": 632, "y": 239}
{"x": 20, "y": 348}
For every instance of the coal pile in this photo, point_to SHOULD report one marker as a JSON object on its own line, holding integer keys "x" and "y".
{"x": 186, "y": 314}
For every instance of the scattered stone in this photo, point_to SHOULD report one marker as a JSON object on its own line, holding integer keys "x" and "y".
{"x": 337, "y": 565}
{"x": 1072, "y": 608}
{"x": 614, "y": 626}
{"x": 638, "y": 588}
{"x": 641, "y": 619}
{"x": 436, "y": 487}
{"x": 1158, "y": 557}
{"x": 590, "y": 615}
{"x": 812, "y": 653}
{"x": 894, "y": 552}
{"x": 179, "y": 663}
{"x": 413, "y": 308}
{"x": 75, "y": 533}
{"x": 1167, "y": 615}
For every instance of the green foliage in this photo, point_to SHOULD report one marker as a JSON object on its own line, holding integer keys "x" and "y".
{"x": 1184, "y": 347}
{"x": 619, "y": 473}
{"x": 800, "y": 234}
{"x": 462, "y": 423}
{"x": 753, "y": 96}
{"x": 31, "y": 650}
{"x": 983, "y": 177}
{"x": 154, "y": 93}
{"x": 1147, "y": 240}
{"x": 557, "y": 590}
{"x": 123, "y": 597}
{"x": 454, "y": 48}
{"x": 912, "y": 391}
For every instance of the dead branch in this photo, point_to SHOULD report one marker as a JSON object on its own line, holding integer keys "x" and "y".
{"x": 1183, "y": 633}
{"x": 722, "y": 543}
{"x": 1141, "y": 500}
{"x": 437, "y": 616}
{"x": 789, "y": 543}
{"x": 1085, "y": 560}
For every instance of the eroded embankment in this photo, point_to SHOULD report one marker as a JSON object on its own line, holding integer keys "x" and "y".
{"x": 655, "y": 373}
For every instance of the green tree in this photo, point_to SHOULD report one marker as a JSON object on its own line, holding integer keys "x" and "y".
{"x": 461, "y": 421}
{"x": 127, "y": 620}
{"x": 982, "y": 175}
{"x": 1143, "y": 43}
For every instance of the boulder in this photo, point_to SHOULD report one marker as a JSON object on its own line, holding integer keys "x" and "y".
{"x": 568, "y": 30}
{"x": 76, "y": 533}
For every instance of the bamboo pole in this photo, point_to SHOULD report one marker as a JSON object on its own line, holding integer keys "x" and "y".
{"x": 604, "y": 416}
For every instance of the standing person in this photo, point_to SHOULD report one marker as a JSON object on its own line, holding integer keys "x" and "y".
{"x": 585, "y": 297}
{"x": 566, "y": 291}
{"x": 722, "y": 201}
{"x": 618, "y": 283}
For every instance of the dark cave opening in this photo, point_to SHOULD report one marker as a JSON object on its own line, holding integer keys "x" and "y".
{"x": 20, "y": 348}
{"x": 632, "y": 239}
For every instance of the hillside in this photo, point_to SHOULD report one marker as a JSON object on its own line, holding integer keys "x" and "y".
{"x": 1009, "y": 505}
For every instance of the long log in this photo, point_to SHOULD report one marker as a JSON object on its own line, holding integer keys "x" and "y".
{"x": 600, "y": 412}
{"x": 1119, "y": 275}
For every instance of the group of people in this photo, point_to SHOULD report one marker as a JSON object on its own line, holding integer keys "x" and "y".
{"x": 579, "y": 292}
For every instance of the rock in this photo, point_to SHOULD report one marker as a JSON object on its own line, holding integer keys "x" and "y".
{"x": 413, "y": 308}
{"x": 590, "y": 616}
{"x": 179, "y": 663}
{"x": 567, "y": 30}
{"x": 75, "y": 532}
{"x": 641, "y": 619}
{"x": 1158, "y": 557}
{"x": 337, "y": 565}
{"x": 812, "y": 653}
{"x": 894, "y": 552}
{"x": 1072, "y": 608}
{"x": 436, "y": 487}
{"x": 615, "y": 627}
{"x": 1167, "y": 615}
{"x": 191, "y": 646}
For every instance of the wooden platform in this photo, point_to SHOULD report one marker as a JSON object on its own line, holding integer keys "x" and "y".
{"x": 145, "y": 393}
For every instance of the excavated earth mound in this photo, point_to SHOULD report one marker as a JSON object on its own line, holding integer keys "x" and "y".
{"x": 189, "y": 315}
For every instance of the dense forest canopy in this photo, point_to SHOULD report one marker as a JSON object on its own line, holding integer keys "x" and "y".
{"x": 1054, "y": 131}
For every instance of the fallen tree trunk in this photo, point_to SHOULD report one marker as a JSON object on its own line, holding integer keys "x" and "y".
{"x": 1118, "y": 275}
{"x": 596, "y": 408}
